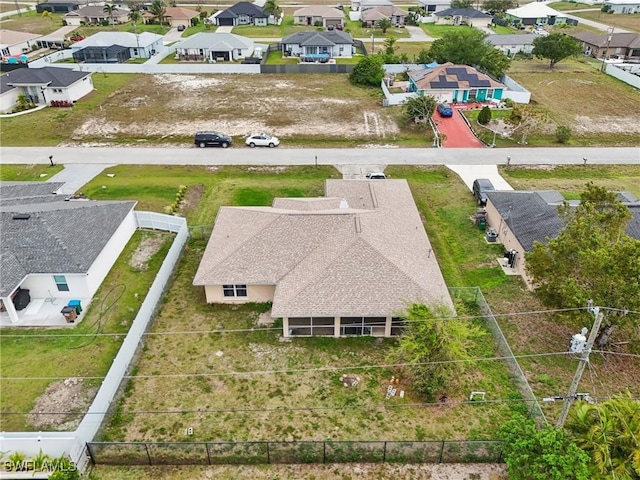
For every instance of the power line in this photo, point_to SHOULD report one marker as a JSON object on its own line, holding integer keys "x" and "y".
{"x": 623, "y": 354}
{"x": 300, "y": 370}
{"x": 267, "y": 329}
{"x": 286, "y": 409}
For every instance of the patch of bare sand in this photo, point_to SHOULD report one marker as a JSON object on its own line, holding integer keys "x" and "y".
{"x": 63, "y": 396}
{"x": 148, "y": 247}
{"x": 607, "y": 124}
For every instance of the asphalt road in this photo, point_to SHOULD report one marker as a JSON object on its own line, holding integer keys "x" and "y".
{"x": 240, "y": 155}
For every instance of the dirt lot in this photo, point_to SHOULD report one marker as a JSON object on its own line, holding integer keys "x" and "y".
{"x": 287, "y": 106}
{"x": 308, "y": 472}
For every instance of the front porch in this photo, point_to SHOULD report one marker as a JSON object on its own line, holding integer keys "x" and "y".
{"x": 342, "y": 326}
{"x": 43, "y": 312}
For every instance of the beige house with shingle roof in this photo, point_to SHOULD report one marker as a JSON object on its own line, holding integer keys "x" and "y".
{"x": 345, "y": 264}
{"x": 322, "y": 15}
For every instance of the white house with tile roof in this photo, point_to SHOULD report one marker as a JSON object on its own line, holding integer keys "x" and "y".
{"x": 142, "y": 45}
{"x": 55, "y": 248}
{"x": 346, "y": 264}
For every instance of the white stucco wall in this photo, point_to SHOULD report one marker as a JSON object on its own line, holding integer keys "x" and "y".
{"x": 255, "y": 293}
{"x": 8, "y": 100}
{"x": 110, "y": 253}
{"x": 43, "y": 286}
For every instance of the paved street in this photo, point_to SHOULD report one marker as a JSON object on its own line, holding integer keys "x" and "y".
{"x": 308, "y": 156}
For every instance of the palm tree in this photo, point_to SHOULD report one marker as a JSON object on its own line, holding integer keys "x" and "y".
{"x": 384, "y": 24}
{"x": 610, "y": 433}
{"x": 109, "y": 10}
{"x": 159, "y": 10}
{"x": 271, "y": 7}
{"x": 135, "y": 16}
{"x": 48, "y": 14}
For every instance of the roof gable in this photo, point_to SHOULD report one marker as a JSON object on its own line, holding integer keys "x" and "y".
{"x": 57, "y": 236}
{"x": 214, "y": 40}
{"x": 462, "y": 12}
{"x": 365, "y": 239}
{"x": 243, "y": 8}
{"x": 450, "y": 76}
{"x": 319, "y": 11}
{"x": 49, "y": 76}
{"x": 334, "y": 37}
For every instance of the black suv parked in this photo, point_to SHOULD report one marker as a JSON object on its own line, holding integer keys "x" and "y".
{"x": 212, "y": 139}
{"x": 480, "y": 186}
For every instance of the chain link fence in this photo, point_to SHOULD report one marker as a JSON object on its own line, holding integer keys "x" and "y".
{"x": 253, "y": 453}
{"x": 474, "y": 296}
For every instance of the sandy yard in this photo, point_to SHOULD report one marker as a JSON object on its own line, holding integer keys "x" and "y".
{"x": 170, "y": 105}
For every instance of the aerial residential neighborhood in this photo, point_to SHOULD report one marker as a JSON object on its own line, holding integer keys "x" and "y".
{"x": 430, "y": 269}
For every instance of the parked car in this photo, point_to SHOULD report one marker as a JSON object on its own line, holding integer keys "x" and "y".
{"x": 445, "y": 110}
{"x": 212, "y": 139}
{"x": 262, "y": 140}
{"x": 181, "y": 28}
{"x": 480, "y": 188}
{"x": 376, "y": 176}
{"x": 76, "y": 38}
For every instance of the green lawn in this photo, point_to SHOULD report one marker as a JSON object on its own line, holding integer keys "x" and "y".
{"x": 501, "y": 30}
{"x": 564, "y": 6}
{"x": 201, "y": 27}
{"x": 89, "y": 30}
{"x": 355, "y": 29}
{"x": 51, "y": 126}
{"x": 437, "y": 31}
{"x": 112, "y": 311}
{"x": 275, "y": 57}
{"x": 33, "y": 22}
{"x": 287, "y": 27}
{"x": 28, "y": 173}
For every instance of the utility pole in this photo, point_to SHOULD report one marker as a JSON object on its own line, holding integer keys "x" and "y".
{"x": 584, "y": 360}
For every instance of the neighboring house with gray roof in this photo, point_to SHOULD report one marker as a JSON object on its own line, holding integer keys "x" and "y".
{"x": 243, "y": 13}
{"x": 56, "y": 248}
{"x": 95, "y": 15}
{"x": 463, "y": 16}
{"x": 513, "y": 44}
{"x": 214, "y": 47}
{"x": 625, "y": 46}
{"x": 43, "y": 86}
{"x": 315, "y": 45}
{"x": 346, "y": 264}
{"x": 142, "y": 45}
{"x": 521, "y": 218}
{"x": 319, "y": 15}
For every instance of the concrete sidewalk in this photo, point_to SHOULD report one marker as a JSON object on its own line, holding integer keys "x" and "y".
{"x": 76, "y": 175}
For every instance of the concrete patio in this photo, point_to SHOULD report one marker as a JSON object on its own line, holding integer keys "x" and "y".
{"x": 44, "y": 312}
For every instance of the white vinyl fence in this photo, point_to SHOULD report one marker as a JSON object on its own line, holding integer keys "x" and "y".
{"x": 73, "y": 444}
{"x": 623, "y": 75}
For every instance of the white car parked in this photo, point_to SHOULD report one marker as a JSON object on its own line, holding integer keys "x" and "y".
{"x": 262, "y": 140}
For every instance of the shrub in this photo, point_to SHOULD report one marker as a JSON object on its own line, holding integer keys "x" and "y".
{"x": 484, "y": 116}
{"x": 563, "y": 134}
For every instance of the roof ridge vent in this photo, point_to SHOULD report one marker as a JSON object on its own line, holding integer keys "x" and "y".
{"x": 21, "y": 216}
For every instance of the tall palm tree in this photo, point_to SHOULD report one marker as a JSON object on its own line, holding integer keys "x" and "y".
{"x": 271, "y": 7}
{"x": 135, "y": 16}
{"x": 159, "y": 10}
{"x": 110, "y": 10}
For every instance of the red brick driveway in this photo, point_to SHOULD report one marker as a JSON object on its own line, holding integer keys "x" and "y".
{"x": 455, "y": 131}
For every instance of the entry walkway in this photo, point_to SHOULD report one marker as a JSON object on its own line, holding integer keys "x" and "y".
{"x": 456, "y": 133}
{"x": 468, "y": 173}
{"x": 75, "y": 176}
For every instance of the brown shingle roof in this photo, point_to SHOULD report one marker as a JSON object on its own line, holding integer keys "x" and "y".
{"x": 618, "y": 40}
{"x": 360, "y": 251}
{"x": 450, "y": 76}
{"x": 324, "y": 11}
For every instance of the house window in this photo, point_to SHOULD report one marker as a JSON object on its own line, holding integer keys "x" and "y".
{"x": 61, "y": 283}
{"x": 57, "y": 90}
{"x": 490, "y": 93}
{"x": 235, "y": 290}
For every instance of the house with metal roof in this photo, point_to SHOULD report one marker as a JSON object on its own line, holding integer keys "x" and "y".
{"x": 625, "y": 46}
{"x": 243, "y": 13}
{"x": 214, "y": 47}
{"x": 317, "y": 46}
{"x": 623, "y": 6}
{"x": 116, "y": 47}
{"x": 345, "y": 264}
{"x": 95, "y": 15}
{"x": 521, "y": 218}
{"x": 43, "y": 86}
{"x": 16, "y": 43}
{"x": 463, "y": 16}
{"x": 456, "y": 84}
{"x": 535, "y": 13}
{"x": 54, "y": 249}
{"x": 513, "y": 44}
{"x": 319, "y": 15}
